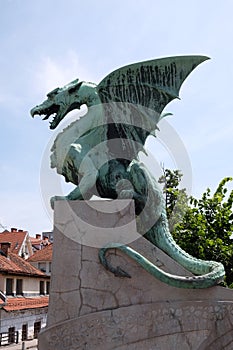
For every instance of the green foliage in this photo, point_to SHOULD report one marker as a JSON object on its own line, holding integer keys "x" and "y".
{"x": 205, "y": 229}
{"x": 176, "y": 199}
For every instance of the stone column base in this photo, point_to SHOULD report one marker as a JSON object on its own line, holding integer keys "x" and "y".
{"x": 165, "y": 325}
{"x": 92, "y": 309}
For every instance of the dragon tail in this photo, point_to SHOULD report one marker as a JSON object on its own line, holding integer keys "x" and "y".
{"x": 209, "y": 279}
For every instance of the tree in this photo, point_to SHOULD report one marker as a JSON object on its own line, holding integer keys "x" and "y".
{"x": 206, "y": 227}
{"x": 176, "y": 199}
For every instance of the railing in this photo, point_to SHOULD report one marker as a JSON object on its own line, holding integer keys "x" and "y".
{"x": 9, "y": 338}
{"x": 2, "y": 296}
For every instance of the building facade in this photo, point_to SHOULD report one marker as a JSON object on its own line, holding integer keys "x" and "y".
{"x": 24, "y": 297}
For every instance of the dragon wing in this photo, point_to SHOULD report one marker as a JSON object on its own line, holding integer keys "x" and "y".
{"x": 147, "y": 87}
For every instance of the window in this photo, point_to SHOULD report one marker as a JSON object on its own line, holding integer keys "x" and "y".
{"x": 42, "y": 287}
{"x": 47, "y": 287}
{"x": 50, "y": 266}
{"x": 11, "y": 335}
{"x": 37, "y": 328}
{"x": 9, "y": 286}
{"x": 24, "y": 332}
{"x": 19, "y": 287}
{"x": 42, "y": 266}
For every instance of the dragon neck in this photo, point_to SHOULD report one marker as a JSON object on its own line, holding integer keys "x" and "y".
{"x": 90, "y": 94}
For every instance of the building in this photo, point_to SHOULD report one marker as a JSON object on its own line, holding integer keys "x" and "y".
{"x": 20, "y": 242}
{"x": 48, "y": 235}
{"x": 41, "y": 241}
{"x": 23, "y": 296}
{"x": 42, "y": 259}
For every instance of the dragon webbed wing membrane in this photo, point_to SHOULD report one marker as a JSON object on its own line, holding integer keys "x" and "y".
{"x": 148, "y": 85}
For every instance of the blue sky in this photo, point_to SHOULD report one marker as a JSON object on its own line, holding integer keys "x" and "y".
{"x": 47, "y": 43}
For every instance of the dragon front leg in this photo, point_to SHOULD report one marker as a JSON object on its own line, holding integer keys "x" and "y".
{"x": 88, "y": 173}
{"x": 73, "y": 195}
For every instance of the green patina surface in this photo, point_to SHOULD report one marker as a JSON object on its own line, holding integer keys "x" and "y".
{"x": 99, "y": 153}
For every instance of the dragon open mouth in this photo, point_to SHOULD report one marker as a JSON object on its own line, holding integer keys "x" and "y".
{"x": 47, "y": 113}
{"x": 53, "y": 111}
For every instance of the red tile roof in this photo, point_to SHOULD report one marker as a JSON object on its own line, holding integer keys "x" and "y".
{"x": 44, "y": 254}
{"x": 22, "y": 303}
{"x": 14, "y": 264}
{"x": 42, "y": 241}
{"x": 36, "y": 241}
{"x": 16, "y": 239}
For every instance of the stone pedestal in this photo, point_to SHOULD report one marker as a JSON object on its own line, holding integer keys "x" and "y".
{"x": 90, "y": 308}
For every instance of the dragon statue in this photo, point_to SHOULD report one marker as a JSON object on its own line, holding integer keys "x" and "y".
{"x": 99, "y": 154}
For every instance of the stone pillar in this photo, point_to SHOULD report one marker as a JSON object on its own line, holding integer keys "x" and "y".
{"x": 90, "y": 308}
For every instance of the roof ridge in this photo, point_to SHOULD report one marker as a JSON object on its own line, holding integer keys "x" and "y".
{"x": 14, "y": 264}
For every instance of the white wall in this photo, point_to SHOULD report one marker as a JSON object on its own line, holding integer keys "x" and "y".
{"x": 31, "y": 285}
{"x": 18, "y": 318}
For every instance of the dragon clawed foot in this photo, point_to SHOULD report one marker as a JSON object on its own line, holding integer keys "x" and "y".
{"x": 56, "y": 198}
{"x": 126, "y": 194}
{"x": 124, "y": 189}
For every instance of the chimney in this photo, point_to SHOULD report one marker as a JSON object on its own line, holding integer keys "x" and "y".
{"x": 5, "y": 246}
{"x": 38, "y": 236}
{"x": 13, "y": 229}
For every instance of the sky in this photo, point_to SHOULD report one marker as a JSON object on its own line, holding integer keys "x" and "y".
{"x": 48, "y": 43}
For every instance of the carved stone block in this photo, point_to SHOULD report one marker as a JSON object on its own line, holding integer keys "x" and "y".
{"x": 90, "y": 308}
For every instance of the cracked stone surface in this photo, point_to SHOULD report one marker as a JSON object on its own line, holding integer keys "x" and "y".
{"x": 92, "y": 309}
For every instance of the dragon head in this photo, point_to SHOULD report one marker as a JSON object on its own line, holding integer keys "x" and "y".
{"x": 61, "y": 101}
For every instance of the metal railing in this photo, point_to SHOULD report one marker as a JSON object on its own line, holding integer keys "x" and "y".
{"x": 2, "y": 296}
{"x": 7, "y": 338}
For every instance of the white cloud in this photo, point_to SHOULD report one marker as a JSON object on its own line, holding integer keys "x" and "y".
{"x": 52, "y": 73}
